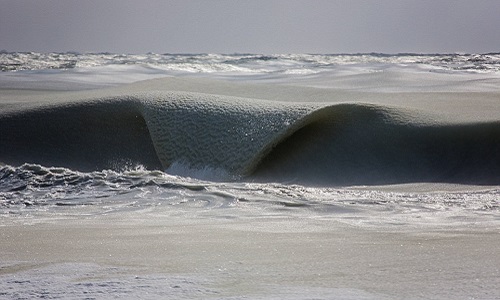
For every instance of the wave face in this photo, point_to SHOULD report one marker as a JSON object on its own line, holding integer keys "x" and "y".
{"x": 362, "y": 144}
{"x": 310, "y": 143}
{"x": 93, "y": 135}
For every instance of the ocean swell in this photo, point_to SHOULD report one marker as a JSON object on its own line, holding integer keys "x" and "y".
{"x": 310, "y": 143}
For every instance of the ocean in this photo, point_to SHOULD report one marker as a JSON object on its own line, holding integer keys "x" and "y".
{"x": 376, "y": 144}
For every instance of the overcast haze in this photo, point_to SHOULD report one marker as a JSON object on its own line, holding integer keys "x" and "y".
{"x": 252, "y": 26}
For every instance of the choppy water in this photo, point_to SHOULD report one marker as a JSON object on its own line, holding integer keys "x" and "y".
{"x": 251, "y": 63}
{"x": 33, "y": 191}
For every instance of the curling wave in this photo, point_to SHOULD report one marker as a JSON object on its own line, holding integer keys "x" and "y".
{"x": 312, "y": 143}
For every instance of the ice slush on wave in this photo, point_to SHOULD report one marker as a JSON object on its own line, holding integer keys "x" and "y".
{"x": 325, "y": 143}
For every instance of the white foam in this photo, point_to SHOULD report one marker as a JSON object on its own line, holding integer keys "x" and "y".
{"x": 184, "y": 169}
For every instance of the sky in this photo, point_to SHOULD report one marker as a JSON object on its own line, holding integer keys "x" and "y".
{"x": 251, "y": 26}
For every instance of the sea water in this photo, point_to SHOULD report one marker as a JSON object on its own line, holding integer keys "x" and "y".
{"x": 320, "y": 154}
{"x": 369, "y": 140}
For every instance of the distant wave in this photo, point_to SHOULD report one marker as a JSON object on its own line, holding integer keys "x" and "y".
{"x": 245, "y": 63}
{"x": 320, "y": 143}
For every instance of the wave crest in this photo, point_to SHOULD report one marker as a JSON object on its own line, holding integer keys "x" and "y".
{"x": 314, "y": 143}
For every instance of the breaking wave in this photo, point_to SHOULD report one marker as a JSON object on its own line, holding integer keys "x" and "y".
{"x": 229, "y": 137}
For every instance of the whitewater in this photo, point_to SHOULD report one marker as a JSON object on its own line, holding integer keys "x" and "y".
{"x": 349, "y": 176}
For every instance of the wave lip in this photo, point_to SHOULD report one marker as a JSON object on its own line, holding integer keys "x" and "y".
{"x": 218, "y": 131}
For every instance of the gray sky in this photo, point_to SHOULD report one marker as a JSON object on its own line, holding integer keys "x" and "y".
{"x": 251, "y": 26}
